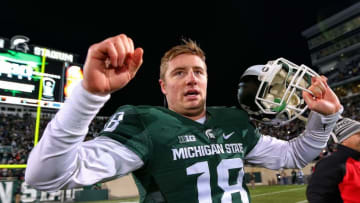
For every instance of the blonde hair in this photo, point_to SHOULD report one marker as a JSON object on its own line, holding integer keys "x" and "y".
{"x": 189, "y": 47}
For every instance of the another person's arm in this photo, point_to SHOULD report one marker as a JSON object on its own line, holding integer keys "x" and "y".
{"x": 323, "y": 186}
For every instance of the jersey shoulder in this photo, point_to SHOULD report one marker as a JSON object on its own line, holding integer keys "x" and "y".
{"x": 136, "y": 127}
{"x": 235, "y": 119}
{"x": 129, "y": 126}
{"x": 230, "y": 115}
{"x": 231, "y": 111}
{"x": 143, "y": 112}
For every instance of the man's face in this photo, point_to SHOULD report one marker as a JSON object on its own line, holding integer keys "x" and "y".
{"x": 184, "y": 85}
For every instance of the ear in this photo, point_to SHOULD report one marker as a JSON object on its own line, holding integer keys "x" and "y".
{"x": 162, "y": 86}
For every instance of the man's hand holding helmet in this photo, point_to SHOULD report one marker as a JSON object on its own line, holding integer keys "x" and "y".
{"x": 280, "y": 91}
{"x": 323, "y": 100}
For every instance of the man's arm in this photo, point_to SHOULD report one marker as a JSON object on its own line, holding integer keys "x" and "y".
{"x": 274, "y": 154}
{"x": 326, "y": 109}
{"x": 62, "y": 159}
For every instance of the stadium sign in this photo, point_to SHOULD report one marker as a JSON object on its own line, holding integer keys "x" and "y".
{"x": 20, "y": 76}
{"x": 27, "y": 194}
{"x": 57, "y": 55}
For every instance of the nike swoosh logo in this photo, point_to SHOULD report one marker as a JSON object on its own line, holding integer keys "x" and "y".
{"x": 228, "y": 135}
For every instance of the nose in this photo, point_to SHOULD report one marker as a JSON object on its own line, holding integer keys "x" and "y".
{"x": 191, "y": 79}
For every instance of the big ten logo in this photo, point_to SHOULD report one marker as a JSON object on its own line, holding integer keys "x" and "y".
{"x": 186, "y": 138}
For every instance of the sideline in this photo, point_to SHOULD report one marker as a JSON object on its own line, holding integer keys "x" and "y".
{"x": 270, "y": 193}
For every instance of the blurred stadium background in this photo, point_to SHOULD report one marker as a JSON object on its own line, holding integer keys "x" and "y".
{"x": 36, "y": 80}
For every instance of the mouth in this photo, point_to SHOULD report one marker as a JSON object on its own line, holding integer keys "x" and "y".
{"x": 191, "y": 94}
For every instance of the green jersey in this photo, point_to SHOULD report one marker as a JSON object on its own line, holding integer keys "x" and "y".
{"x": 184, "y": 160}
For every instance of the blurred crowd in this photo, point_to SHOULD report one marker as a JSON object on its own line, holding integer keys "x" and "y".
{"x": 17, "y": 139}
{"x": 344, "y": 70}
{"x": 296, "y": 127}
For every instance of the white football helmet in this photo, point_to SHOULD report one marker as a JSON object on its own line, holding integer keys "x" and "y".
{"x": 272, "y": 93}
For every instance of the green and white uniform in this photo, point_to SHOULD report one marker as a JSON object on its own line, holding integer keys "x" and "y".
{"x": 185, "y": 161}
{"x": 172, "y": 158}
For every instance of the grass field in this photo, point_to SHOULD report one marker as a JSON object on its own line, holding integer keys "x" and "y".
{"x": 261, "y": 194}
{"x": 279, "y": 194}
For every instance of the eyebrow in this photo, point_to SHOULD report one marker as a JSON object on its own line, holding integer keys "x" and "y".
{"x": 199, "y": 67}
{"x": 177, "y": 69}
{"x": 183, "y": 68}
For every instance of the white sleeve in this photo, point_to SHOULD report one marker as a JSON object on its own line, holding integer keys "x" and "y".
{"x": 62, "y": 160}
{"x": 274, "y": 154}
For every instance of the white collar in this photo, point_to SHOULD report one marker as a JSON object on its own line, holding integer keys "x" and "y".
{"x": 201, "y": 120}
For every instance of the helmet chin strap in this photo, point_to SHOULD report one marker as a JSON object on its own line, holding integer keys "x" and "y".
{"x": 303, "y": 118}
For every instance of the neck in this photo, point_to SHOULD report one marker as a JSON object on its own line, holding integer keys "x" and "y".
{"x": 195, "y": 117}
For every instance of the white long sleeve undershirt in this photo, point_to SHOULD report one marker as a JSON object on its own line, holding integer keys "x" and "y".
{"x": 67, "y": 160}
{"x": 274, "y": 154}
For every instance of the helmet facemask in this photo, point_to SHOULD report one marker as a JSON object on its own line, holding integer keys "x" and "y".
{"x": 279, "y": 94}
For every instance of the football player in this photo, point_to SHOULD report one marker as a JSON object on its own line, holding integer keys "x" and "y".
{"x": 187, "y": 152}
